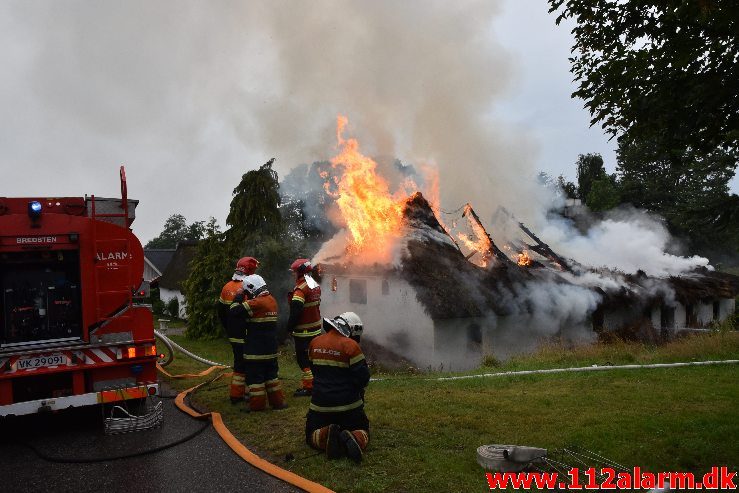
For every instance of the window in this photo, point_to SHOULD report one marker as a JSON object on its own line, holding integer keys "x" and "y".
{"x": 716, "y": 310}
{"x": 690, "y": 317}
{"x": 667, "y": 317}
{"x": 385, "y": 287}
{"x": 358, "y": 291}
{"x": 598, "y": 319}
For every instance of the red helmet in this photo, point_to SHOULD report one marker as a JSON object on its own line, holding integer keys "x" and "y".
{"x": 301, "y": 266}
{"x": 247, "y": 265}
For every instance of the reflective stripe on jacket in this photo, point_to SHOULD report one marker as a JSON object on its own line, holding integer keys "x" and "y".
{"x": 305, "y": 310}
{"x": 228, "y": 293}
{"x": 340, "y": 372}
{"x": 260, "y": 315}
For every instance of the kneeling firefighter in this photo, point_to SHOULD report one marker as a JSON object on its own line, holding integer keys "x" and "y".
{"x": 336, "y": 421}
{"x": 232, "y": 291}
{"x": 259, "y": 312}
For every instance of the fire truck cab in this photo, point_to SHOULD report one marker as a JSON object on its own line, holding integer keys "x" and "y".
{"x": 70, "y": 333}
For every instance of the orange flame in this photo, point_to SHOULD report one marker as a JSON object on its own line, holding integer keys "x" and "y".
{"x": 480, "y": 243}
{"x": 373, "y": 215}
{"x": 524, "y": 260}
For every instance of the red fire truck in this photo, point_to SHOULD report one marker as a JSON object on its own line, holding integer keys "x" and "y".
{"x": 70, "y": 332}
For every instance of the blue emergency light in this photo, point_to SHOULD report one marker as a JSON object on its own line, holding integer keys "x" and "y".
{"x": 34, "y": 209}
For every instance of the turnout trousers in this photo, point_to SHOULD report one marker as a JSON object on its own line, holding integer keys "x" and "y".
{"x": 301, "y": 355}
{"x": 354, "y": 420}
{"x": 264, "y": 386}
{"x": 237, "y": 389}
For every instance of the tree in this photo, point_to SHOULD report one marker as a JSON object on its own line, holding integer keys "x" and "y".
{"x": 212, "y": 265}
{"x": 604, "y": 194}
{"x": 176, "y": 230}
{"x": 568, "y": 188}
{"x": 660, "y": 76}
{"x": 651, "y": 67}
{"x": 256, "y": 203}
{"x": 589, "y": 169}
{"x": 691, "y": 191}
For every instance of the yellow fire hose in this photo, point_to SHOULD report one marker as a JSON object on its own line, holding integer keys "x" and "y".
{"x": 231, "y": 441}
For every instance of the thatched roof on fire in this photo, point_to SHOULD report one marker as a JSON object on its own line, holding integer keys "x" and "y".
{"x": 448, "y": 284}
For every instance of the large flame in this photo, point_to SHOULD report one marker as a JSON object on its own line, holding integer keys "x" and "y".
{"x": 372, "y": 213}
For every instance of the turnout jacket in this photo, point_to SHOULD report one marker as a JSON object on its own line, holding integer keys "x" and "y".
{"x": 340, "y": 373}
{"x": 260, "y": 316}
{"x": 305, "y": 310}
{"x": 234, "y": 328}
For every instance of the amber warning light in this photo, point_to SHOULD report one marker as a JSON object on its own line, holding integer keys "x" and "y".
{"x": 132, "y": 352}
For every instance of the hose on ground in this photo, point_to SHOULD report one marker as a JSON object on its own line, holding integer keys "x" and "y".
{"x": 565, "y": 370}
{"x": 171, "y": 344}
{"x": 169, "y": 356}
{"x": 89, "y": 460}
{"x": 239, "y": 448}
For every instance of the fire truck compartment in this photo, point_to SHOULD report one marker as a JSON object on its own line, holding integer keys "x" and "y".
{"x": 42, "y": 387}
{"x": 41, "y": 297}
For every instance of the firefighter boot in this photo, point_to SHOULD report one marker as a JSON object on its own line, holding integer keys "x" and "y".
{"x": 237, "y": 389}
{"x": 334, "y": 449}
{"x": 328, "y": 438}
{"x": 257, "y": 397}
{"x": 353, "y": 443}
{"x": 275, "y": 396}
{"x": 307, "y": 389}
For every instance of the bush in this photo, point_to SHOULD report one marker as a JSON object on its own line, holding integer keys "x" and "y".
{"x": 173, "y": 307}
{"x": 157, "y": 306}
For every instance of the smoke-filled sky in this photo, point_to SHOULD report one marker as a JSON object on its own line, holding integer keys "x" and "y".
{"x": 189, "y": 95}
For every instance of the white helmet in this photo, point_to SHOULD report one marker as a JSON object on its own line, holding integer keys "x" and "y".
{"x": 254, "y": 284}
{"x": 354, "y": 323}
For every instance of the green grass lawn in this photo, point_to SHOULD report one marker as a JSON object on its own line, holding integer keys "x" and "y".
{"x": 425, "y": 433}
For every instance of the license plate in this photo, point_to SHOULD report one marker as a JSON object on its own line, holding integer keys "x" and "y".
{"x": 42, "y": 361}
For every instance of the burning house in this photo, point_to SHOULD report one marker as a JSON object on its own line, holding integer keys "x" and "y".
{"x": 447, "y": 295}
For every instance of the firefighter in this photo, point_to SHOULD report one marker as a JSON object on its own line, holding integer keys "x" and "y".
{"x": 305, "y": 319}
{"x": 336, "y": 421}
{"x": 235, "y": 331}
{"x": 259, "y": 312}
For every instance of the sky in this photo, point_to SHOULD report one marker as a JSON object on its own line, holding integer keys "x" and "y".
{"x": 190, "y": 95}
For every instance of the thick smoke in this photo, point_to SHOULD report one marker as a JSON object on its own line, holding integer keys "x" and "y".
{"x": 627, "y": 240}
{"x": 182, "y": 89}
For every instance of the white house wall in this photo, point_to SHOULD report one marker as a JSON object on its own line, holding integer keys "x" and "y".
{"x": 461, "y": 343}
{"x": 395, "y": 320}
{"x": 704, "y": 315}
{"x": 167, "y": 294}
{"x": 727, "y": 307}
{"x": 398, "y": 321}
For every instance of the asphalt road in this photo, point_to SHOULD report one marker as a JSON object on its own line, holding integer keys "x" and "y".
{"x": 30, "y": 445}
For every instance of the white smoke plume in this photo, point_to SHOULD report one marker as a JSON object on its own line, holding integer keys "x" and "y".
{"x": 626, "y": 239}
